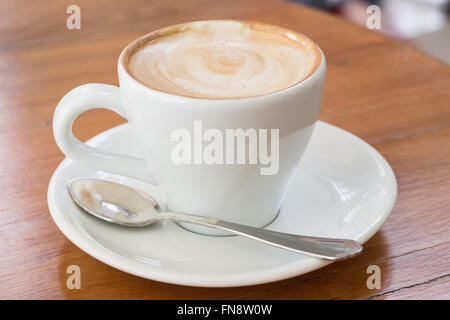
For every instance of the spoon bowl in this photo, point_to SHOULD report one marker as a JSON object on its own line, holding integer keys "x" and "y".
{"x": 115, "y": 203}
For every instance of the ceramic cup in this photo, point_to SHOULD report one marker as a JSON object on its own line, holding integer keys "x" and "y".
{"x": 234, "y": 192}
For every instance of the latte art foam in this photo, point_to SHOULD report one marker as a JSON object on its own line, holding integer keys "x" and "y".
{"x": 223, "y": 59}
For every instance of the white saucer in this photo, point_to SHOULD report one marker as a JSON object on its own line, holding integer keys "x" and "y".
{"x": 342, "y": 188}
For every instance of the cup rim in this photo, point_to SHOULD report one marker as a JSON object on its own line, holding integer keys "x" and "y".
{"x": 135, "y": 45}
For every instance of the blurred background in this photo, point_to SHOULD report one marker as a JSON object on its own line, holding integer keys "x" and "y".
{"x": 424, "y": 23}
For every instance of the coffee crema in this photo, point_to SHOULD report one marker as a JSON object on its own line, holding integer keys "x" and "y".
{"x": 222, "y": 59}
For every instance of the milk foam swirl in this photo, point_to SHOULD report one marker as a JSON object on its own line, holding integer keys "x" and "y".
{"x": 218, "y": 60}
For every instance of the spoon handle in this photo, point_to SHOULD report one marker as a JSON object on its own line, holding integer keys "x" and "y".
{"x": 324, "y": 248}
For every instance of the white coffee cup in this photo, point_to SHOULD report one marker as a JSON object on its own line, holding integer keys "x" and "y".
{"x": 234, "y": 192}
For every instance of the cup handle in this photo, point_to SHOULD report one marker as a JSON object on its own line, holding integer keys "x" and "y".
{"x": 83, "y": 98}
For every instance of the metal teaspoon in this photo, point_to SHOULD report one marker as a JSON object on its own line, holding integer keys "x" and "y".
{"x": 123, "y": 205}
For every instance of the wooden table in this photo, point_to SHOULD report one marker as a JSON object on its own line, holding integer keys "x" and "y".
{"x": 382, "y": 90}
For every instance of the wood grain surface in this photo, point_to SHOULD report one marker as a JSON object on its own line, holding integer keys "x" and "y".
{"x": 392, "y": 96}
